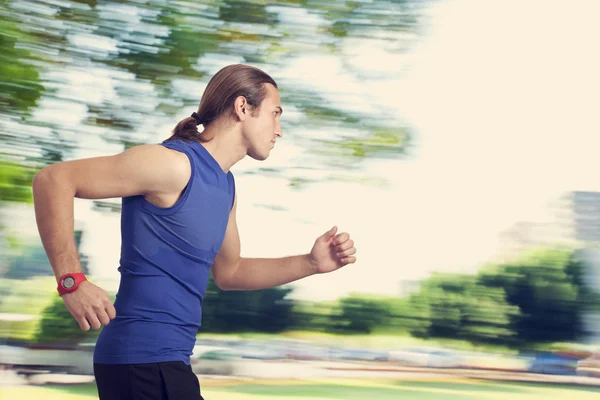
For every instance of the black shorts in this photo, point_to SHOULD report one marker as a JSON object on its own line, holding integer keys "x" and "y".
{"x": 154, "y": 381}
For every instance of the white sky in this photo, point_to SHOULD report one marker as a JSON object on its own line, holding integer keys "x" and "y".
{"x": 504, "y": 96}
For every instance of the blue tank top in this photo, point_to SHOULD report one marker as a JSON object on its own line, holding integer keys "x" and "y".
{"x": 166, "y": 255}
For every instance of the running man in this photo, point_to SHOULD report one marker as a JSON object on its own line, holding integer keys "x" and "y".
{"x": 178, "y": 225}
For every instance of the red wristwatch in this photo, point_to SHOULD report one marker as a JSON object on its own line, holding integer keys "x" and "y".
{"x": 68, "y": 283}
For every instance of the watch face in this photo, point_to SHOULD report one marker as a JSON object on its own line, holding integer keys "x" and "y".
{"x": 68, "y": 282}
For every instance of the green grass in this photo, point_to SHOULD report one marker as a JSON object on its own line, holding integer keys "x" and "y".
{"x": 340, "y": 389}
{"x": 50, "y": 392}
{"x": 474, "y": 386}
{"x": 370, "y": 341}
{"x": 419, "y": 390}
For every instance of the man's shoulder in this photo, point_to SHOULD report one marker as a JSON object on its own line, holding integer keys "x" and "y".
{"x": 171, "y": 161}
{"x": 165, "y": 149}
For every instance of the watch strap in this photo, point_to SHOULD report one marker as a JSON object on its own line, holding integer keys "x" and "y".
{"x": 69, "y": 283}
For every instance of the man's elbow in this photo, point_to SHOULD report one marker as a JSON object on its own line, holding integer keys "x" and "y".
{"x": 43, "y": 179}
{"x": 51, "y": 180}
{"x": 222, "y": 282}
{"x": 225, "y": 274}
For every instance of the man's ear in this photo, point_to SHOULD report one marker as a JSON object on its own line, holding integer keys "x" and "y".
{"x": 240, "y": 108}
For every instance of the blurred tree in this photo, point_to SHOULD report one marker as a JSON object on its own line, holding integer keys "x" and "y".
{"x": 18, "y": 298}
{"x": 20, "y": 88}
{"x": 15, "y": 182}
{"x": 246, "y": 311}
{"x": 33, "y": 262}
{"x": 314, "y": 316}
{"x": 57, "y": 326}
{"x": 276, "y": 313}
{"x": 401, "y": 317}
{"x": 457, "y": 307}
{"x": 117, "y": 70}
{"x": 359, "y": 314}
{"x": 547, "y": 286}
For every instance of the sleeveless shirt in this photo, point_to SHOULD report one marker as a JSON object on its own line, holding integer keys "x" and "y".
{"x": 166, "y": 255}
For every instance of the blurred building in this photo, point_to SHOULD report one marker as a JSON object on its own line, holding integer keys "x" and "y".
{"x": 578, "y": 217}
{"x": 575, "y": 221}
{"x": 578, "y": 223}
{"x": 591, "y": 321}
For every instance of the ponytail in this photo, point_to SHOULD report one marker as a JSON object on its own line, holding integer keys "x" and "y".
{"x": 187, "y": 129}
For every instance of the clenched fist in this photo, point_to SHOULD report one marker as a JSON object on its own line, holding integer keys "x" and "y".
{"x": 90, "y": 306}
{"x": 331, "y": 252}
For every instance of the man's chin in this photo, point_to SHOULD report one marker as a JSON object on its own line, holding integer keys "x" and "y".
{"x": 259, "y": 157}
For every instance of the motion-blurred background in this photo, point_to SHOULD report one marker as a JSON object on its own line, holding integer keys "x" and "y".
{"x": 456, "y": 140}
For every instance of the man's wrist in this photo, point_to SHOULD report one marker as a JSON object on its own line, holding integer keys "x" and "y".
{"x": 310, "y": 265}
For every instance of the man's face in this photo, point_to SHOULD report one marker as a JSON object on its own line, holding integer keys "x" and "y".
{"x": 262, "y": 129}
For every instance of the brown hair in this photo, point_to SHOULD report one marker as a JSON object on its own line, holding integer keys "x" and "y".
{"x": 218, "y": 98}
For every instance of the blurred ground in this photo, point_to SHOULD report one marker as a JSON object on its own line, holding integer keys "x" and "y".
{"x": 411, "y": 388}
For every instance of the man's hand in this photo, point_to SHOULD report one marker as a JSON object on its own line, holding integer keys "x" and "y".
{"x": 331, "y": 252}
{"x": 90, "y": 306}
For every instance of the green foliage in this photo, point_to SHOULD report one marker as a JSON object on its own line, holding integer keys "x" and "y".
{"x": 313, "y": 316}
{"x": 57, "y": 326}
{"x": 540, "y": 299}
{"x": 547, "y": 286}
{"x": 246, "y": 311}
{"x": 20, "y": 87}
{"x": 157, "y": 63}
{"x": 456, "y": 306}
{"x": 19, "y": 297}
{"x": 15, "y": 182}
{"x": 537, "y": 301}
{"x": 41, "y": 316}
{"x": 359, "y": 314}
{"x": 25, "y": 299}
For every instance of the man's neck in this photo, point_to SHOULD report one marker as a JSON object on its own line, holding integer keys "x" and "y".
{"x": 225, "y": 145}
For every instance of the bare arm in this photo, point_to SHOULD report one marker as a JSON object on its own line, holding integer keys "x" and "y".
{"x": 262, "y": 273}
{"x": 133, "y": 172}
{"x": 232, "y": 272}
